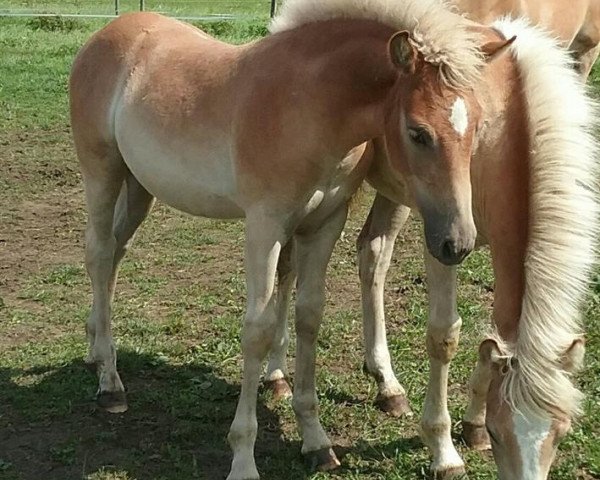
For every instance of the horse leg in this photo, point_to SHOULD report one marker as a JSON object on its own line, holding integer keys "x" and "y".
{"x": 375, "y": 247}
{"x": 442, "y": 341}
{"x": 264, "y": 239}
{"x": 108, "y": 235}
{"x": 277, "y": 373}
{"x": 586, "y": 61}
{"x": 473, "y": 422}
{"x": 313, "y": 254}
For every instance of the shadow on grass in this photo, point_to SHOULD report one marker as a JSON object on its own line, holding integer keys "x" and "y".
{"x": 176, "y": 426}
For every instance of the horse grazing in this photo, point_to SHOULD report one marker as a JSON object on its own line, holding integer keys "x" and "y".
{"x": 274, "y": 132}
{"x": 534, "y": 184}
{"x": 575, "y": 22}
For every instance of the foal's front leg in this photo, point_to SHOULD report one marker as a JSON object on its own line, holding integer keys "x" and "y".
{"x": 375, "y": 248}
{"x": 264, "y": 239}
{"x": 313, "y": 254}
{"x": 442, "y": 341}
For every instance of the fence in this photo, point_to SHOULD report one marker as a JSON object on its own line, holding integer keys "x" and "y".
{"x": 191, "y": 9}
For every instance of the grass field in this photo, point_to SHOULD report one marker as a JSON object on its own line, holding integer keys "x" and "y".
{"x": 177, "y": 321}
{"x": 186, "y": 8}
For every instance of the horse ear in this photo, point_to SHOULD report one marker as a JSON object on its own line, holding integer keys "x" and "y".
{"x": 489, "y": 352}
{"x": 402, "y": 52}
{"x": 493, "y": 50}
{"x": 572, "y": 360}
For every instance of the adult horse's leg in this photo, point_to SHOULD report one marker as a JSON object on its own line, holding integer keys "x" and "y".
{"x": 442, "y": 341}
{"x": 473, "y": 422}
{"x": 586, "y": 61}
{"x": 108, "y": 235}
{"x": 375, "y": 248}
{"x": 276, "y": 377}
{"x": 264, "y": 240}
{"x": 313, "y": 254}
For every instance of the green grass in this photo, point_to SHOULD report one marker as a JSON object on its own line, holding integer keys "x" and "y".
{"x": 185, "y": 8}
{"x": 177, "y": 321}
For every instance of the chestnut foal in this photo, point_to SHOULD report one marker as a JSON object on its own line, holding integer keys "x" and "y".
{"x": 262, "y": 131}
{"x": 532, "y": 172}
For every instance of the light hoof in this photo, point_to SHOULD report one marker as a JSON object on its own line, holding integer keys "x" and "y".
{"x": 396, "y": 405}
{"x": 280, "y": 389}
{"x": 476, "y": 436}
{"x": 450, "y": 473}
{"x": 112, "y": 402}
{"x": 322, "y": 460}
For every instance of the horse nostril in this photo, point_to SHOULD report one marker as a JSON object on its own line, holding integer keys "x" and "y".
{"x": 448, "y": 249}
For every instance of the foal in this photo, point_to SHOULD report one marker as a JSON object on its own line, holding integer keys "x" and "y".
{"x": 262, "y": 132}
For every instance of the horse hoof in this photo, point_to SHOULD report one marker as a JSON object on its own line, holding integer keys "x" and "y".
{"x": 280, "y": 389}
{"x": 476, "y": 436}
{"x": 112, "y": 402}
{"x": 322, "y": 460}
{"x": 396, "y": 406}
{"x": 450, "y": 473}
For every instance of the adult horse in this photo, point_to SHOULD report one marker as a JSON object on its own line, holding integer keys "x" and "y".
{"x": 262, "y": 132}
{"x": 575, "y": 22}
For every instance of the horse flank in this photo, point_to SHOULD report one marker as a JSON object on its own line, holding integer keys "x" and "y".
{"x": 563, "y": 223}
{"x": 442, "y": 37}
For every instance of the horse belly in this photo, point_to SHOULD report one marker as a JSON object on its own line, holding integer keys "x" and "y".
{"x": 191, "y": 177}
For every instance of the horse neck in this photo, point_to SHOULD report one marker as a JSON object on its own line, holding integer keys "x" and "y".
{"x": 339, "y": 69}
{"x": 501, "y": 191}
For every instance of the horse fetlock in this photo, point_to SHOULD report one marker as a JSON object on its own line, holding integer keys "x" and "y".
{"x": 243, "y": 467}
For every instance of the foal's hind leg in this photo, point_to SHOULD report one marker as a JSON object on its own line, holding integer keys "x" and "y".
{"x": 442, "y": 341}
{"x": 277, "y": 373}
{"x": 108, "y": 234}
{"x": 313, "y": 254}
{"x": 375, "y": 248}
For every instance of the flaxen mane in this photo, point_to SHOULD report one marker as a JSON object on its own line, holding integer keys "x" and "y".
{"x": 563, "y": 222}
{"x": 440, "y": 35}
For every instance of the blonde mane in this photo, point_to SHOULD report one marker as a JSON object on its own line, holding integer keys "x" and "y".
{"x": 563, "y": 223}
{"x": 440, "y": 35}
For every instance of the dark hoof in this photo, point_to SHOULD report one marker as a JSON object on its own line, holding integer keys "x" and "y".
{"x": 322, "y": 460}
{"x": 452, "y": 473}
{"x": 280, "y": 389}
{"x": 396, "y": 406}
{"x": 476, "y": 436}
{"x": 112, "y": 402}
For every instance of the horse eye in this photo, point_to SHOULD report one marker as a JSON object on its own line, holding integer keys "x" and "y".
{"x": 420, "y": 137}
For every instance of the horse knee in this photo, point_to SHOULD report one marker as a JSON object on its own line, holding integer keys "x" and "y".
{"x": 309, "y": 309}
{"x": 443, "y": 344}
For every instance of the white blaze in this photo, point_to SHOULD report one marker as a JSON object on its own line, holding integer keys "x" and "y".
{"x": 459, "y": 118}
{"x": 530, "y": 434}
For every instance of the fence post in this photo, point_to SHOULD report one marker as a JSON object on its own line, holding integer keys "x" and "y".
{"x": 273, "y": 4}
{"x": 142, "y": 5}
{"x": 117, "y": 7}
